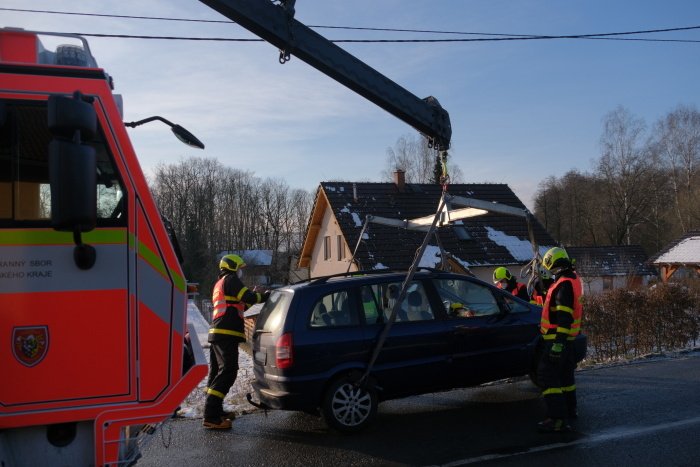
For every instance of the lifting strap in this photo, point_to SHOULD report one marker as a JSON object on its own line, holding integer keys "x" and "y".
{"x": 357, "y": 245}
{"x": 402, "y": 293}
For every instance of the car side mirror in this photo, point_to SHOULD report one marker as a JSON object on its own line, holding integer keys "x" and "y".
{"x": 73, "y": 171}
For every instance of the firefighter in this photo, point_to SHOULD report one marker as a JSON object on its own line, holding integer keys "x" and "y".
{"x": 506, "y": 281}
{"x": 559, "y": 325}
{"x": 230, "y": 299}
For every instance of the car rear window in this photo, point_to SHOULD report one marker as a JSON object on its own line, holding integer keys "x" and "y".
{"x": 273, "y": 312}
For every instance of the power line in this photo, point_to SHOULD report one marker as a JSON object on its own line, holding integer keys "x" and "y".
{"x": 395, "y": 41}
{"x": 74, "y": 13}
{"x": 501, "y": 36}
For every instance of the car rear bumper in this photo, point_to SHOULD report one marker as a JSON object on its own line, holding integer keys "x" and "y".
{"x": 303, "y": 399}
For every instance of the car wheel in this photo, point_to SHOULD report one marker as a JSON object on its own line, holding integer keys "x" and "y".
{"x": 349, "y": 408}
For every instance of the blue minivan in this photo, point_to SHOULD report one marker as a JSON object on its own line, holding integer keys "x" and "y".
{"x": 313, "y": 342}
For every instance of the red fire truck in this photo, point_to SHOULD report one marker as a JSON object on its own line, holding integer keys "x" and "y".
{"x": 92, "y": 295}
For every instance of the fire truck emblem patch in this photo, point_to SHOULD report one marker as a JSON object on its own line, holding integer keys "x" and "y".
{"x": 30, "y": 343}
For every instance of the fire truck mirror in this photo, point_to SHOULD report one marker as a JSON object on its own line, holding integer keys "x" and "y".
{"x": 70, "y": 115}
{"x": 73, "y": 180}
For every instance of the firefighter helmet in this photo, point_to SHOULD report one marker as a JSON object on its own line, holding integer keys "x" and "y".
{"x": 556, "y": 259}
{"x": 231, "y": 263}
{"x": 500, "y": 274}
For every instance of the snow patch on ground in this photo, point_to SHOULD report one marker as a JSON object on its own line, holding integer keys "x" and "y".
{"x": 235, "y": 401}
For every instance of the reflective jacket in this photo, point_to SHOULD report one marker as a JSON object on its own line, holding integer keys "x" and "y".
{"x": 517, "y": 289}
{"x": 563, "y": 309}
{"x": 230, "y": 299}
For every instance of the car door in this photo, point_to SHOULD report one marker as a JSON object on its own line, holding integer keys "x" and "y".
{"x": 414, "y": 358}
{"x": 489, "y": 332}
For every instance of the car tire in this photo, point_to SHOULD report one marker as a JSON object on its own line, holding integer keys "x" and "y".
{"x": 349, "y": 408}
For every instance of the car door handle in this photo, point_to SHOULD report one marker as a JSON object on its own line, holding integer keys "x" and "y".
{"x": 461, "y": 329}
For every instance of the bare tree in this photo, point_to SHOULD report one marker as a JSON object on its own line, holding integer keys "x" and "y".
{"x": 215, "y": 208}
{"x": 420, "y": 162}
{"x": 569, "y": 208}
{"x": 627, "y": 170}
{"x": 677, "y": 139}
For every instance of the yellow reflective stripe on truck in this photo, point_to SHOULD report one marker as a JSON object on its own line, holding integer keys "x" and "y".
{"x": 156, "y": 261}
{"x": 99, "y": 236}
{"x": 10, "y": 237}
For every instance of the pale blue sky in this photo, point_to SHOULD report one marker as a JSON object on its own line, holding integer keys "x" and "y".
{"x": 520, "y": 110}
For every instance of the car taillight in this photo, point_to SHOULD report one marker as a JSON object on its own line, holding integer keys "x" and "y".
{"x": 284, "y": 357}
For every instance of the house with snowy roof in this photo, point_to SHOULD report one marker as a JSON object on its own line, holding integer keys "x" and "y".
{"x": 258, "y": 264}
{"x": 476, "y": 244}
{"x": 682, "y": 254}
{"x": 611, "y": 267}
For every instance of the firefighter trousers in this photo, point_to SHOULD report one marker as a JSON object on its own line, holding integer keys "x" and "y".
{"x": 557, "y": 379}
{"x": 223, "y": 369}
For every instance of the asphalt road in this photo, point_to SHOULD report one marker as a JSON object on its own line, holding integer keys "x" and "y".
{"x": 645, "y": 413}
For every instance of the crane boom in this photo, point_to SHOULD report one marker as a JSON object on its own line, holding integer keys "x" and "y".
{"x": 276, "y": 25}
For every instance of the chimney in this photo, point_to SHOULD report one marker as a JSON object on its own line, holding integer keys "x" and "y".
{"x": 400, "y": 180}
{"x": 354, "y": 192}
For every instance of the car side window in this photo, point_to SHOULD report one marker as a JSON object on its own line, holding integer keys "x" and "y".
{"x": 514, "y": 305}
{"x": 373, "y": 311}
{"x": 333, "y": 310}
{"x": 415, "y": 307}
{"x": 466, "y": 299}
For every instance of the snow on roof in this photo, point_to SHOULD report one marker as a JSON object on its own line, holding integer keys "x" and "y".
{"x": 685, "y": 252}
{"x": 521, "y": 250}
{"x": 431, "y": 257}
{"x": 355, "y": 217}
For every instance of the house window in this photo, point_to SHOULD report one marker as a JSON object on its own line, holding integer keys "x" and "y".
{"x": 341, "y": 248}
{"x": 327, "y": 248}
{"x": 607, "y": 282}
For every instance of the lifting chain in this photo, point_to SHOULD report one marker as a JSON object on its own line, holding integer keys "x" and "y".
{"x": 445, "y": 177}
{"x": 286, "y": 54}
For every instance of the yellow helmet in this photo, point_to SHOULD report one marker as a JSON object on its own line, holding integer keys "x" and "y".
{"x": 231, "y": 263}
{"x": 501, "y": 273}
{"x": 556, "y": 259}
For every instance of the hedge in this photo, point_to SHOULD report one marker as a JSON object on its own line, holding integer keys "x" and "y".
{"x": 624, "y": 323}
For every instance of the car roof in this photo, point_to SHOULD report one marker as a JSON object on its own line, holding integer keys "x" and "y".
{"x": 361, "y": 277}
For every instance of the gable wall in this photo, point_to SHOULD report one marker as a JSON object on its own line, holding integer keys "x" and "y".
{"x": 320, "y": 266}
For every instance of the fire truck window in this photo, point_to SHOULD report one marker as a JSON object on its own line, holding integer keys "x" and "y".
{"x": 25, "y": 194}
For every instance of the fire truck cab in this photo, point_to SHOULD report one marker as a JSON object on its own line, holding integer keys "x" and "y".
{"x": 93, "y": 299}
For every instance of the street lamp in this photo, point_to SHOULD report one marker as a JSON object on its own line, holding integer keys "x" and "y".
{"x": 181, "y": 134}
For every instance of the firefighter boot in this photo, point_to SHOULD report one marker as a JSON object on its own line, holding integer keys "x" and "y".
{"x": 553, "y": 425}
{"x": 214, "y": 417}
{"x": 220, "y": 424}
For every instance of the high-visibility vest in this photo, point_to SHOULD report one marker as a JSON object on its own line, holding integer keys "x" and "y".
{"x": 222, "y": 302}
{"x": 519, "y": 286}
{"x": 537, "y": 298}
{"x": 549, "y": 329}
